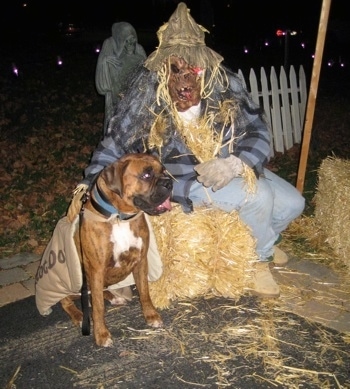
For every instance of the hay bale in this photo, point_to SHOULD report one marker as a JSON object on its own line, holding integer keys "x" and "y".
{"x": 205, "y": 252}
{"x": 332, "y": 205}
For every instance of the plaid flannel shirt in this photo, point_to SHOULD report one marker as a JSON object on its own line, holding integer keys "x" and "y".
{"x": 134, "y": 117}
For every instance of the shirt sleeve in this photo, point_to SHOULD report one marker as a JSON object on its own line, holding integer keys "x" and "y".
{"x": 253, "y": 142}
{"x": 106, "y": 153}
{"x": 129, "y": 127}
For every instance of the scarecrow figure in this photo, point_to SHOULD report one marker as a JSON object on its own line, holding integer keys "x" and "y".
{"x": 119, "y": 55}
{"x": 185, "y": 106}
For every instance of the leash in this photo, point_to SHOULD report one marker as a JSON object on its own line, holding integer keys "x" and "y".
{"x": 85, "y": 325}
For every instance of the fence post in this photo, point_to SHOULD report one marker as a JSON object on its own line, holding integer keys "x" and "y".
{"x": 295, "y": 106}
{"x": 285, "y": 111}
{"x": 276, "y": 112}
{"x": 265, "y": 93}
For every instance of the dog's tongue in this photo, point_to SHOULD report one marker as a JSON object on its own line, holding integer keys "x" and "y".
{"x": 166, "y": 205}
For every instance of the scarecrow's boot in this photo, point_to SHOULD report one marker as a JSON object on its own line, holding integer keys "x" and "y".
{"x": 279, "y": 258}
{"x": 263, "y": 284}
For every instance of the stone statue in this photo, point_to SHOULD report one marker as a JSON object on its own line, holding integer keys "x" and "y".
{"x": 119, "y": 55}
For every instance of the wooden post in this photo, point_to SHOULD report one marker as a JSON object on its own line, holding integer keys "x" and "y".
{"x": 322, "y": 29}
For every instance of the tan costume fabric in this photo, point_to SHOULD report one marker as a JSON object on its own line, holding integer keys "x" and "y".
{"x": 60, "y": 274}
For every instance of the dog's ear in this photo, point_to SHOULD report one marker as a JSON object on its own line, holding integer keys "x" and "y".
{"x": 113, "y": 175}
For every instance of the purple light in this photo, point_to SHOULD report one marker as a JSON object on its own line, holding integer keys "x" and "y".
{"x": 59, "y": 61}
{"x": 15, "y": 70}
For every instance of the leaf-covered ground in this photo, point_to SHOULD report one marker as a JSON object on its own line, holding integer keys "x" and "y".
{"x": 50, "y": 121}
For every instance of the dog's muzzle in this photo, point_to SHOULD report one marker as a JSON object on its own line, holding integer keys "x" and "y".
{"x": 159, "y": 200}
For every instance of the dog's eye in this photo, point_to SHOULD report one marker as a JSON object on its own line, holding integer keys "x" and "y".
{"x": 147, "y": 175}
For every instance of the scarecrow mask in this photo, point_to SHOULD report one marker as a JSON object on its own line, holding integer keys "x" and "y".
{"x": 184, "y": 83}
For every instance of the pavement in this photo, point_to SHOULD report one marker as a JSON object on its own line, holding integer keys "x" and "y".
{"x": 299, "y": 340}
{"x": 316, "y": 292}
{"x": 17, "y": 277}
{"x": 308, "y": 289}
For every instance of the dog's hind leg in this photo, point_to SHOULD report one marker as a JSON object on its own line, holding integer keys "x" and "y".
{"x": 75, "y": 314}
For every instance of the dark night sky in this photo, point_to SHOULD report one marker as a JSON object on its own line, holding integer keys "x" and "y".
{"x": 237, "y": 22}
{"x": 243, "y": 16}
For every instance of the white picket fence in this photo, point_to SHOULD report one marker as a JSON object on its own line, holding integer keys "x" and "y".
{"x": 284, "y": 103}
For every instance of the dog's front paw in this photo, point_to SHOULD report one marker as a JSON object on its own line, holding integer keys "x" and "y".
{"x": 104, "y": 339}
{"x": 154, "y": 320}
{"x": 108, "y": 343}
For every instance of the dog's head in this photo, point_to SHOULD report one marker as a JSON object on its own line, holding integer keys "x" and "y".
{"x": 138, "y": 182}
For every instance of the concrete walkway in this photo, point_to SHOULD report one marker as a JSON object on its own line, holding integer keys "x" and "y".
{"x": 17, "y": 277}
{"x": 316, "y": 292}
{"x": 308, "y": 289}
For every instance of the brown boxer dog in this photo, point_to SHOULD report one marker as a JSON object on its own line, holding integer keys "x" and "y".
{"x": 114, "y": 235}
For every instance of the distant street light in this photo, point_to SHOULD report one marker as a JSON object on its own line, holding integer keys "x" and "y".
{"x": 286, "y": 34}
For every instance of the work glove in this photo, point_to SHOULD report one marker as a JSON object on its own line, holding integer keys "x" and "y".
{"x": 217, "y": 173}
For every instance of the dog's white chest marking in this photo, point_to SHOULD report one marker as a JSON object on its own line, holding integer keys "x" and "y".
{"x": 123, "y": 239}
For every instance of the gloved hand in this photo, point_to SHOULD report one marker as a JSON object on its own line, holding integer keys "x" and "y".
{"x": 217, "y": 173}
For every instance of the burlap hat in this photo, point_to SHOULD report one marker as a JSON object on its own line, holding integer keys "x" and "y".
{"x": 183, "y": 37}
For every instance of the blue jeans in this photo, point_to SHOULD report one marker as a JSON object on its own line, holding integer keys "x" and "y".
{"x": 267, "y": 212}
